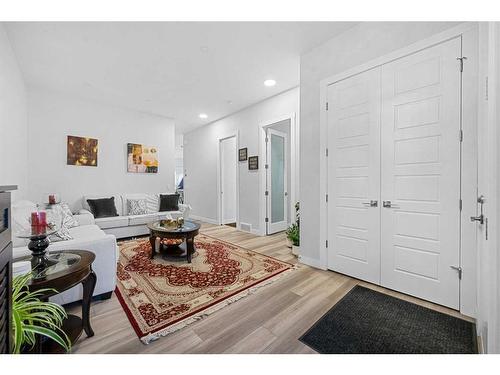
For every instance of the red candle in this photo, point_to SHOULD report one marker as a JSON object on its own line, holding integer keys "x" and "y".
{"x": 38, "y": 222}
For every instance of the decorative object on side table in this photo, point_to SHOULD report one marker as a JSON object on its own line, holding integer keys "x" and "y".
{"x": 253, "y": 163}
{"x": 37, "y": 234}
{"x": 71, "y": 267}
{"x": 27, "y": 308}
{"x": 242, "y": 154}
{"x": 293, "y": 232}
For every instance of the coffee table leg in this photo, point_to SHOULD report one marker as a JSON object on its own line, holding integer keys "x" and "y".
{"x": 88, "y": 291}
{"x": 152, "y": 241}
{"x": 189, "y": 248}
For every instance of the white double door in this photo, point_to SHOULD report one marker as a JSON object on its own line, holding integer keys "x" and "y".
{"x": 394, "y": 174}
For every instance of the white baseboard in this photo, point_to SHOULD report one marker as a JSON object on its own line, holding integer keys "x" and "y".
{"x": 205, "y": 219}
{"x": 256, "y": 232}
{"x": 316, "y": 263}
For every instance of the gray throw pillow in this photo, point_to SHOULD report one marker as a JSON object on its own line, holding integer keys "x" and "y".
{"x": 136, "y": 206}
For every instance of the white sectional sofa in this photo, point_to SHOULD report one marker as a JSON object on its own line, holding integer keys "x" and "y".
{"x": 86, "y": 236}
{"x": 126, "y": 225}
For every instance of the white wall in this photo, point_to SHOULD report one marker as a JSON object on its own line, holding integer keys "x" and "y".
{"x": 200, "y": 157}
{"x": 13, "y": 121}
{"x": 355, "y": 46}
{"x": 52, "y": 117}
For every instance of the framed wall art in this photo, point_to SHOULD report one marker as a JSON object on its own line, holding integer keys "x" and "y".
{"x": 141, "y": 158}
{"x": 253, "y": 163}
{"x": 242, "y": 154}
{"x": 81, "y": 151}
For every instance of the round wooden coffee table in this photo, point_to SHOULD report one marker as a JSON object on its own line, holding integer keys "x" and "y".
{"x": 68, "y": 268}
{"x": 186, "y": 233}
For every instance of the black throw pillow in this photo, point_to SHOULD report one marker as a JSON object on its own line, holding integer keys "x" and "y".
{"x": 169, "y": 202}
{"x": 103, "y": 207}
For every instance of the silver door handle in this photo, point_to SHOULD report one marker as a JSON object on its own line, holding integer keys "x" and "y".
{"x": 389, "y": 204}
{"x": 371, "y": 203}
{"x": 479, "y": 218}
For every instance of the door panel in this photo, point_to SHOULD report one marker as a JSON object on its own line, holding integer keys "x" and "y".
{"x": 420, "y": 170}
{"x": 277, "y": 181}
{"x": 354, "y": 176}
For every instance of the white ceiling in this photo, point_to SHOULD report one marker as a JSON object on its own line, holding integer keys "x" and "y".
{"x": 173, "y": 69}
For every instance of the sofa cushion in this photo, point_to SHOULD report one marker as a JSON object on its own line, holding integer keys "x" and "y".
{"x": 112, "y": 222}
{"x": 102, "y": 207}
{"x": 169, "y": 202}
{"x": 86, "y": 232}
{"x": 142, "y": 219}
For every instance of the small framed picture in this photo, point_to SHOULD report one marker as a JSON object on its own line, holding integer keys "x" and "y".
{"x": 253, "y": 163}
{"x": 243, "y": 154}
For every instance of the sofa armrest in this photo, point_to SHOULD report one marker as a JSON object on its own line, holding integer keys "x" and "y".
{"x": 185, "y": 209}
{"x": 84, "y": 217}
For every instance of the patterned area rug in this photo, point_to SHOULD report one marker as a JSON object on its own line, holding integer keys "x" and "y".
{"x": 161, "y": 296}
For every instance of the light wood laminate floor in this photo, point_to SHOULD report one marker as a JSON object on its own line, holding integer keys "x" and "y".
{"x": 269, "y": 321}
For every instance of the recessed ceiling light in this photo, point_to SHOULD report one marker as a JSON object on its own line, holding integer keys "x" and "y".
{"x": 269, "y": 82}
{"x": 203, "y": 115}
{"x": 204, "y": 49}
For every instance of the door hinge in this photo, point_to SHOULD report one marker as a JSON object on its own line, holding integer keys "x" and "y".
{"x": 326, "y": 198}
{"x": 267, "y": 139}
{"x": 459, "y": 271}
{"x": 461, "y": 59}
{"x": 267, "y": 192}
{"x": 267, "y": 166}
{"x": 326, "y": 152}
{"x": 326, "y": 243}
{"x": 460, "y": 204}
{"x": 326, "y": 107}
{"x": 267, "y": 219}
{"x": 461, "y": 135}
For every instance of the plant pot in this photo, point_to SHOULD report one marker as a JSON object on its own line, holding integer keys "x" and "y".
{"x": 295, "y": 250}
{"x": 289, "y": 243}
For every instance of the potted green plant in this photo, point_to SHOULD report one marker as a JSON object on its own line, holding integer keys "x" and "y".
{"x": 293, "y": 232}
{"x": 32, "y": 317}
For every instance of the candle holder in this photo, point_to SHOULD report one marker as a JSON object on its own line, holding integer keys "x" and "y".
{"x": 38, "y": 236}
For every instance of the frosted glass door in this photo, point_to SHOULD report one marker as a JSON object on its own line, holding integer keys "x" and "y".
{"x": 277, "y": 181}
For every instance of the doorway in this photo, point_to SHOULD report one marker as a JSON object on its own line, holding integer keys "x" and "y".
{"x": 394, "y": 174}
{"x": 277, "y": 164}
{"x": 228, "y": 205}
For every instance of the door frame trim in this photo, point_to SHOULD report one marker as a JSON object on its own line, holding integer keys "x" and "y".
{"x": 292, "y": 190}
{"x": 465, "y": 30}
{"x": 234, "y": 134}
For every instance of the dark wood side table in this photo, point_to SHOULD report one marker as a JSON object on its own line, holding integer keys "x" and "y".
{"x": 186, "y": 233}
{"x": 71, "y": 268}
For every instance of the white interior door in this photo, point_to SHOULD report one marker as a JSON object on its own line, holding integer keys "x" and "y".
{"x": 276, "y": 176}
{"x": 228, "y": 180}
{"x": 354, "y": 176}
{"x": 420, "y": 156}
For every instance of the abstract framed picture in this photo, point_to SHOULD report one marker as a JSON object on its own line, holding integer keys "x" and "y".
{"x": 253, "y": 163}
{"x": 81, "y": 151}
{"x": 242, "y": 154}
{"x": 141, "y": 158}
